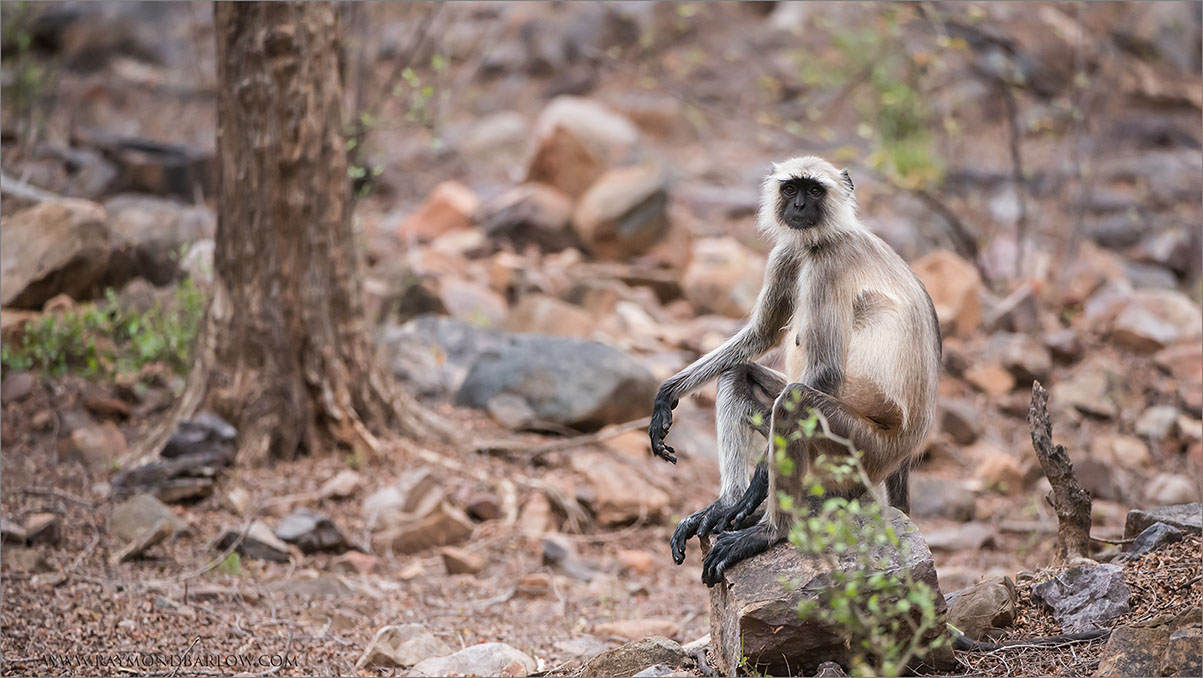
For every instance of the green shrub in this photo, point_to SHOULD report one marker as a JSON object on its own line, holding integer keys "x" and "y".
{"x": 101, "y": 339}
{"x": 884, "y": 616}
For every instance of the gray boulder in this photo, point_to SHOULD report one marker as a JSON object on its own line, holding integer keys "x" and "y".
{"x": 631, "y": 659}
{"x": 1186, "y": 517}
{"x": 986, "y": 605}
{"x": 752, "y": 614}
{"x": 486, "y": 659}
{"x": 431, "y": 354}
{"x": 1085, "y": 598}
{"x": 571, "y": 382}
{"x": 59, "y": 247}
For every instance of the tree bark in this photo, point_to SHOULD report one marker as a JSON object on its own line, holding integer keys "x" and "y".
{"x": 1070, "y": 502}
{"x": 285, "y": 352}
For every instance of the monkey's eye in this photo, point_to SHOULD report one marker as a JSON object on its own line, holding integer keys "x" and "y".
{"x": 788, "y": 190}
{"x": 815, "y": 191}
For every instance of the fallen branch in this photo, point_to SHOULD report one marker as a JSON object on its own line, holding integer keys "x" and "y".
{"x": 25, "y": 191}
{"x": 506, "y": 446}
{"x": 1070, "y": 502}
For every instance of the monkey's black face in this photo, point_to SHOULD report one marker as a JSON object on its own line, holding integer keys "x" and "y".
{"x": 802, "y": 203}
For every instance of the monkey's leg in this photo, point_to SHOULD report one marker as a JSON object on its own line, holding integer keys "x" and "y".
{"x": 898, "y": 489}
{"x": 742, "y": 412}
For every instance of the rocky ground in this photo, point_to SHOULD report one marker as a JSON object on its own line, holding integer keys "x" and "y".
{"x": 558, "y": 213}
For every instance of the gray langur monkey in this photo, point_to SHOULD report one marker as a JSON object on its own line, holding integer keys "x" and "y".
{"x": 863, "y": 349}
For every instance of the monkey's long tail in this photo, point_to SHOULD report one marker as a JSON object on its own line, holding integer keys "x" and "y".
{"x": 961, "y": 642}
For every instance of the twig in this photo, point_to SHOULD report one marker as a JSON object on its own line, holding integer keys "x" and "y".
{"x": 494, "y": 446}
{"x": 20, "y": 189}
{"x": 1070, "y": 502}
{"x": 1116, "y": 542}
{"x": 60, "y": 494}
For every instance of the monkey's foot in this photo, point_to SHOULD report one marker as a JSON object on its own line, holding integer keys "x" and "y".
{"x": 732, "y": 547}
{"x": 710, "y": 520}
{"x": 745, "y": 507}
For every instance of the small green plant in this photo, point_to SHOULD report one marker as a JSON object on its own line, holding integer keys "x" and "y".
{"x": 27, "y": 80}
{"x": 101, "y": 339}
{"x": 231, "y": 565}
{"x": 886, "y": 615}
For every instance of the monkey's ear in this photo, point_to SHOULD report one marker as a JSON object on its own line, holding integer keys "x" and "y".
{"x": 847, "y": 180}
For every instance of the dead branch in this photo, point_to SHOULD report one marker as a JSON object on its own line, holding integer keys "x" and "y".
{"x": 1070, "y": 502}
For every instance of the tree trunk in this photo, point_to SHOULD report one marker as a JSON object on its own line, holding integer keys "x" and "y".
{"x": 285, "y": 352}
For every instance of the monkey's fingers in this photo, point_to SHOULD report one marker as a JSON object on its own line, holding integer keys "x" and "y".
{"x": 685, "y": 529}
{"x": 714, "y": 520}
{"x": 665, "y": 452}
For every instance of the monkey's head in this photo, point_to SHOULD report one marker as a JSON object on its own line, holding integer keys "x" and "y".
{"x": 807, "y": 196}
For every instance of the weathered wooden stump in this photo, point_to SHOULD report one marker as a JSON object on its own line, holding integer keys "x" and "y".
{"x": 753, "y": 615}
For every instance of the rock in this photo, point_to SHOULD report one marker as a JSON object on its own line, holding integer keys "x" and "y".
{"x": 42, "y": 528}
{"x": 960, "y": 420}
{"x": 639, "y": 562}
{"x": 621, "y": 494}
{"x": 153, "y": 535}
{"x": 1025, "y": 357}
{"x": 753, "y": 615}
{"x": 472, "y": 302}
{"x": 56, "y": 247}
{"x": 1182, "y": 656}
{"x": 1017, "y": 312}
{"x": 561, "y": 160}
{"x": 259, "y": 543}
{"x": 1157, "y": 423}
{"x": 1154, "y": 537}
{"x": 955, "y": 289}
{"x": 1152, "y": 319}
{"x": 11, "y": 533}
{"x": 1128, "y": 452}
{"x": 136, "y": 515}
{"x": 182, "y": 479}
{"x": 1169, "y": 489}
{"x": 1185, "y": 517}
{"x": 1000, "y": 472}
{"x": 450, "y": 207}
{"x": 1065, "y": 345}
{"x": 1085, "y": 598}
{"x": 723, "y": 277}
{"x": 106, "y": 407}
{"x": 576, "y": 140}
{"x": 1141, "y": 649}
{"x": 431, "y": 355}
{"x": 445, "y": 526}
{"x": 1088, "y": 390}
{"x": 936, "y": 497}
{"x": 531, "y": 214}
{"x": 205, "y": 434}
{"x": 483, "y": 505}
{"x": 830, "y": 670}
{"x": 16, "y": 386}
{"x": 966, "y": 537}
{"x": 357, "y": 562}
{"x": 150, "y": 232}
{"x": 28, "y": 561}
{"x": 97, "y": 445}
{"x": 461, "y": 561}
{"x": 536, "y": 516}
{"x": 311, "y": 532}
{"x": 416, "y": 493}
{"x": 560, "y": 554}
{"x": 990, "y": 379}
{"x": 634, "y": 629}
{"x": 542, "y": 314}
{"x": 238, "y": 500}
{"x": 400, "y": 646}
{"x": 636, "y": 656}
{"x": 987, "y": 605}
{"x": 1184, "y": 361}
{"x": 486, "y": 659}
{"x": 342, "y": 485}
{"x": 624, "y": 213}
{"x": 580, "y": 384}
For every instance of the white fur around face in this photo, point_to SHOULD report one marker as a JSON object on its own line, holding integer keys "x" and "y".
{"x": 841, "y": 201}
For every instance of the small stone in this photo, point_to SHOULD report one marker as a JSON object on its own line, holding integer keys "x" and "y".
{"x": 723, "y": 277}
{"x": 400, "y": 646}
{"x": 472, "y": 302}
{"x": 43, "y": 528}
{"x": 1157, "y": 423}
{"x": 992, "y": 380}
{"x": 510, "y": 411}
{"x": 357, "y": 562}
{"x": 634, "y": 629}
{"x": 542, "y": 314}
{"x": 483, "y": 505}
{"x": 98, "y": 444}
{"x": 559, "y": 553}
{"x": 238, "y": 500}
{"x": 461, "y": 561}
{"x": 1185, "y": 517}
{"x": 987, "y": 605}
{"x": 536, "y": 517}
{"x": 634, "y": 657}
{"x": 1152, "y": 319}
{"x": 1168, "y": 489}
{"x": 533, "y": 585}
{"x": 637, "y": 561}
{"x": 29, "y": 561}
{"x": 416, "y": 493}
{"x": 103, "y": 407}
{"x": 1001, "y": 472}
{"x": 134, "y": 516}
{"x": 152, "y": 536}
{"x": 342, "y": 485}
{"x": 11, "y": 533}
{"x": 486, "y": 659}
{"x": 1065, "y": 345}
{"x": 311, "y": 532}
{"x": 1088, "y": 390}
{"x": 936, "y": 497}
{"x": 966, "y": 537}
{"x": 955, "y": 288}
{"x": 1085, "y": 598}
{"x": 450, "y": 207}
{"x": 445, "y": 526}
{"x": 16, "y": 385}
{"x": 960, "y": 420}
{"x": 259, "y": 543}
{"x": 624, "y": 212}
{"x": 1154, "y": 537}
{"x": 531, "y": 213}
{"x": 1129, "y": 452}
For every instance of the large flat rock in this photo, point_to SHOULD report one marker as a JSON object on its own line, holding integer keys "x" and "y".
{"x": 752, "y": 614}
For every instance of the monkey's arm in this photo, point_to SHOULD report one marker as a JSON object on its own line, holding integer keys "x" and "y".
{"x": 774, "y": 307}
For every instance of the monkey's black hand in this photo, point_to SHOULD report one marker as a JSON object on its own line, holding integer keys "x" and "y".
{"x": 710, "y": 520}
{"x": 662, "y": 420}
{"x": 754, "y": 496}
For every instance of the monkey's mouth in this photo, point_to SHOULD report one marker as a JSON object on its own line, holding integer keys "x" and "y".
{"x": 800, "y": 223}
